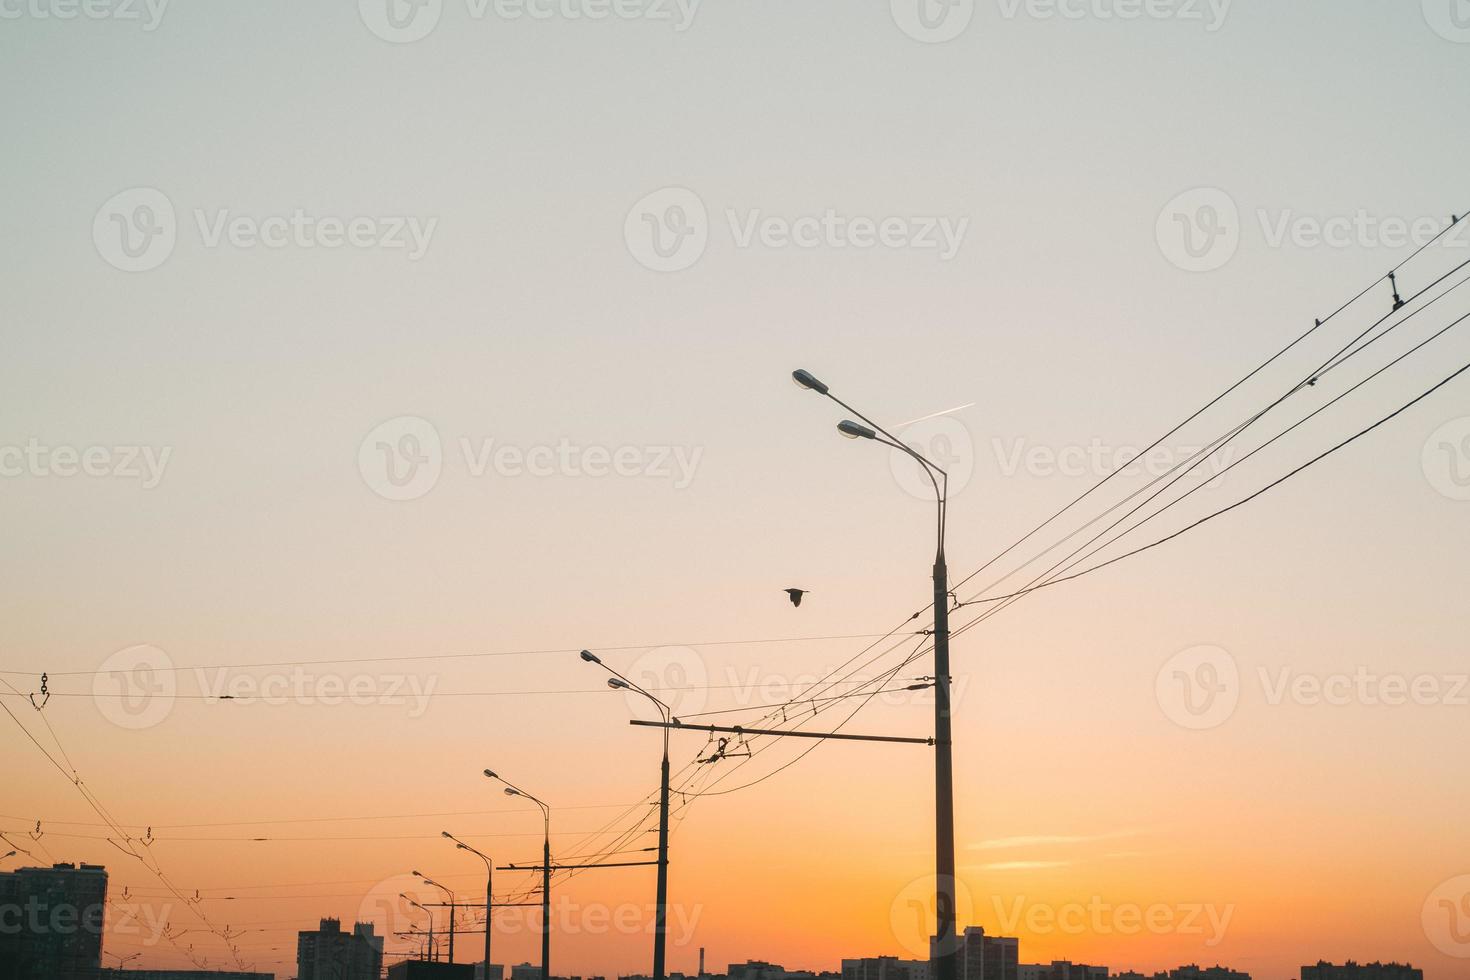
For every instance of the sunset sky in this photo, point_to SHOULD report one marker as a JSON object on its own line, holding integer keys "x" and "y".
{"x": 528, "y": 322}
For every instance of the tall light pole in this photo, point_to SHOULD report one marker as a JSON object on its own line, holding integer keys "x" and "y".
{"x": 512, "y": 790}
{"x": 415, "y": 932}
{"x": 661, "y": 918}
{"x": 946, "y": 947}
{"x": 429, "y": 948}
{"x": 430, "y": 881}
{"x": 489, "y": 900}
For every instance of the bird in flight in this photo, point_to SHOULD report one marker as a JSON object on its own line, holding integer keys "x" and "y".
{"x": 796, "y": 595}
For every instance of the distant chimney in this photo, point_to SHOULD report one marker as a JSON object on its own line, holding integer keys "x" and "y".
{"x": 701, "y": 961}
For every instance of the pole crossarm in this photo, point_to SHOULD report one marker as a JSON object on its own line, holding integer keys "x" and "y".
{"x": 578, "y": 867}
{"x": 737, "y": 730}
{"x": 466, "y": 932}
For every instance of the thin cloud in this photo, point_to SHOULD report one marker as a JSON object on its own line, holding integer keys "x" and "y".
{"x": 1128, "y": 855}
{"x": 1045, "y": 840}
{"x": 925, "y": 418}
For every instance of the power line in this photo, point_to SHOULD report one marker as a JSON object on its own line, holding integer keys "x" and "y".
{"x": 277, "y": 700}
{"x": 1349, "y": 350}
{"x": 1047, "y": 578}
{"x": 460, "y": 656}
{"x": 127, "y": 846}
{"x": 155, "y": 839}
{"x": 291, "y": 820}
{"x": 1240, "y": 503}
{"x": 1107, "y": 478}
{"x": 836, "y": 697}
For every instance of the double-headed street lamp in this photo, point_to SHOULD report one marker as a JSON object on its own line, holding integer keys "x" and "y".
{"x": 945, "y": 954}
{"x": 414, "y": 933}
{"x": 660, "y": 936}
{"x": 429, "y": 947}
{"x": 512, "y": 790}
{"x": 489, "y": 901}
{"x": 430, "y": 881}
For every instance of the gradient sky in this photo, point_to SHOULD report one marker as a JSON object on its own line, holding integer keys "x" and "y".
{"x": 1323, "y": 829}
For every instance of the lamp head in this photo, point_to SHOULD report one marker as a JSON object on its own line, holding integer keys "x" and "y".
{"x": 490, "y": 774}
{"x": 445, "y": 833}
{"x": 590, "y": 657}
{"x": 805, "y": 379}
{"x": 854, "y": 431}
{"x": 512, "y": 792}
{"x": 617, "y": 683}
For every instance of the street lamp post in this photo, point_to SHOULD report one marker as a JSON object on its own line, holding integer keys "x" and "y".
{"x": 414, "y": 932}
{"x": 512, "y": 790}
{"x": 945, "y": 953}
{"x": 430, "y": 881}
{"x": 489, "y": 900}
{"x": 660, "y": 935}
{"x": 429, "y": 946}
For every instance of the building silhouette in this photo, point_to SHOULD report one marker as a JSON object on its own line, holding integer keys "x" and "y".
{"x": 110, "y": 974}
{"x": 1062, "y": 970}
{"x": 983, "y": 957}
{"x": 331, "y": 954}
{"x": 1361, "y": 971}
{"x": 885, "y": 968}
{"x": 1190, "y": 972}
{"x": 761, "y": 970}
{"x": 429, "y": 970}
{"x": 758, "y": 970}
{"x": 51, "y": 922}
